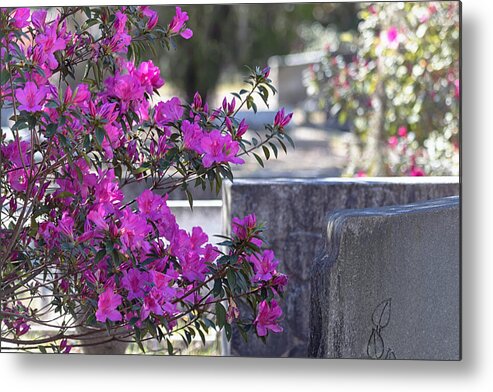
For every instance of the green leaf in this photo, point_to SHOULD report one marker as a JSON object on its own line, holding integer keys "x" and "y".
{"x": 220, "y": 315}
{"x": 100, "y": 132}
{"x": 218, "y": 288}
{"x": 4, "y": 76}
{"x": 266, "y": 152}
{"x": 170, "y": 347}
{"x": 283, "y": 146}
{"x": 289, "y": 140}
{"x": 274, "y": 149}
{"x": 229, "y": 332}
{"x": 190, "y": 198}
{"x": 99, "y": 256}
{"x": 141, "y": 346}
{"x": 202, "y": 337}
{"x": 231, "y": 279}
{"x": 64, "y": 194}
{"x": 259, "y": 160}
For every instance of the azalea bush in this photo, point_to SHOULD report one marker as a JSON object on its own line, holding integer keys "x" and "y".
{"x": 400, "y": 71}
{"x": 80, "y": 259}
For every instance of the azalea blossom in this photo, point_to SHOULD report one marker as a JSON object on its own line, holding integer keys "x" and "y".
{"x": 152, "y": 16}
{"x": 219, "y": 148}
{"x": 177, "y": 23}
{"x": 134, "y": 281}
{"x": 18, "y": 179}
{"x": 20, "y": 17}
{"x": 264, "y": 265}
{"x": 281, "y": 119}
{"x": 149, "y": 76}
{"x": 30, "y": 97}
{"x": 267, "y": 318}
{"x": 108, "y": 303}
{"x": 402, "y": 131}
{"x": 125, "y": 259}
{"x": 168, "y": 111}
{"x": 50, "y": 42}
{"x": 192, "y": 136}
{"x": 133, "y": 230}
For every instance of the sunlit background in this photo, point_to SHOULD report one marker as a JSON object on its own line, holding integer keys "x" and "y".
{"x": 374, "y": 86}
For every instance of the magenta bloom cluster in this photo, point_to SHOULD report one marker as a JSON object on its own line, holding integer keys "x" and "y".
{"x": 112, "y": 258}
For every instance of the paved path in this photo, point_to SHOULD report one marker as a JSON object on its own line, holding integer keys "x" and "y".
{"x": 318, "y": 153}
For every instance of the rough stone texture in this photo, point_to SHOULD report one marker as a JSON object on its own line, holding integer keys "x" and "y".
{"x": 295, "y": 212}
{"x": 387, "y": 285}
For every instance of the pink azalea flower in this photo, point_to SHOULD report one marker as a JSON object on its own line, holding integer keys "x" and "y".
{"x": 80, "y": 97}
{"x": 158, "y": 150}
{"x": 264, "y": 265}
{"x": 133, "y": 230}
{"x": 153, "y": 206}
{"x": 108, "y": 303}
{"x": 229, "y": 108}
{"x": 187, "y": 33}
{"x": 197, "y": 239}
{"x": 149, "y": 76}
{"x": 192, "y": 136}
{"x": 20, "y": 17}
{"x": 30, "y": 97}
{"x": 220, "y": 149}
{"x": 179, "y": 243}
{"x": 266, "y": 72}
{"x": 193, "y": 267}
{"x": 267, "y": 318}
{"x": 38, "y": 19}
{"x": 210, "y": 253}
{"x": 115, "y": 135}
{"x": 64, "y": 347}
{"x": 160, "y": 280}
{"x": 134, "y": 282}
{"x": 126, "y": 88}
{"x": 151, "y": 305}
{"x": 197, "y": 102}
{"x": 118, "y": 43}
{"x": 50, "y": 43}
{"x": 97, "y": 216}
{"x": 168, "y": 112}
{"x": 106, "y": 191}
{"x": 178, "y": 22}
{"x": 12, "y": 154}
{"x": 242, "y": 227}
{"x": 106, "y": 113}
{"x": 392, "y": 34}
{"x": 281, "y": 120}
{"x": 152, "y": 16}
{"x": 393, "y": 141}
{"x": 18, "y": 180}
{"x": 242, "y": 128}
{"x": 416, "y": 171}
{"x": 21, "y": 327}
{"x": 402, "y": 131}
{"x": 66, "y": 225}
{"x": 280, "y": 282}
{"x": 120, "y": 22}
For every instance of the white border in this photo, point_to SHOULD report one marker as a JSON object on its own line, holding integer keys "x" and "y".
{"x": 474, "y": 373}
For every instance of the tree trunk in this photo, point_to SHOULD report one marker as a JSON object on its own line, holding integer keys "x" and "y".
{"x": 376, "y": 143}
